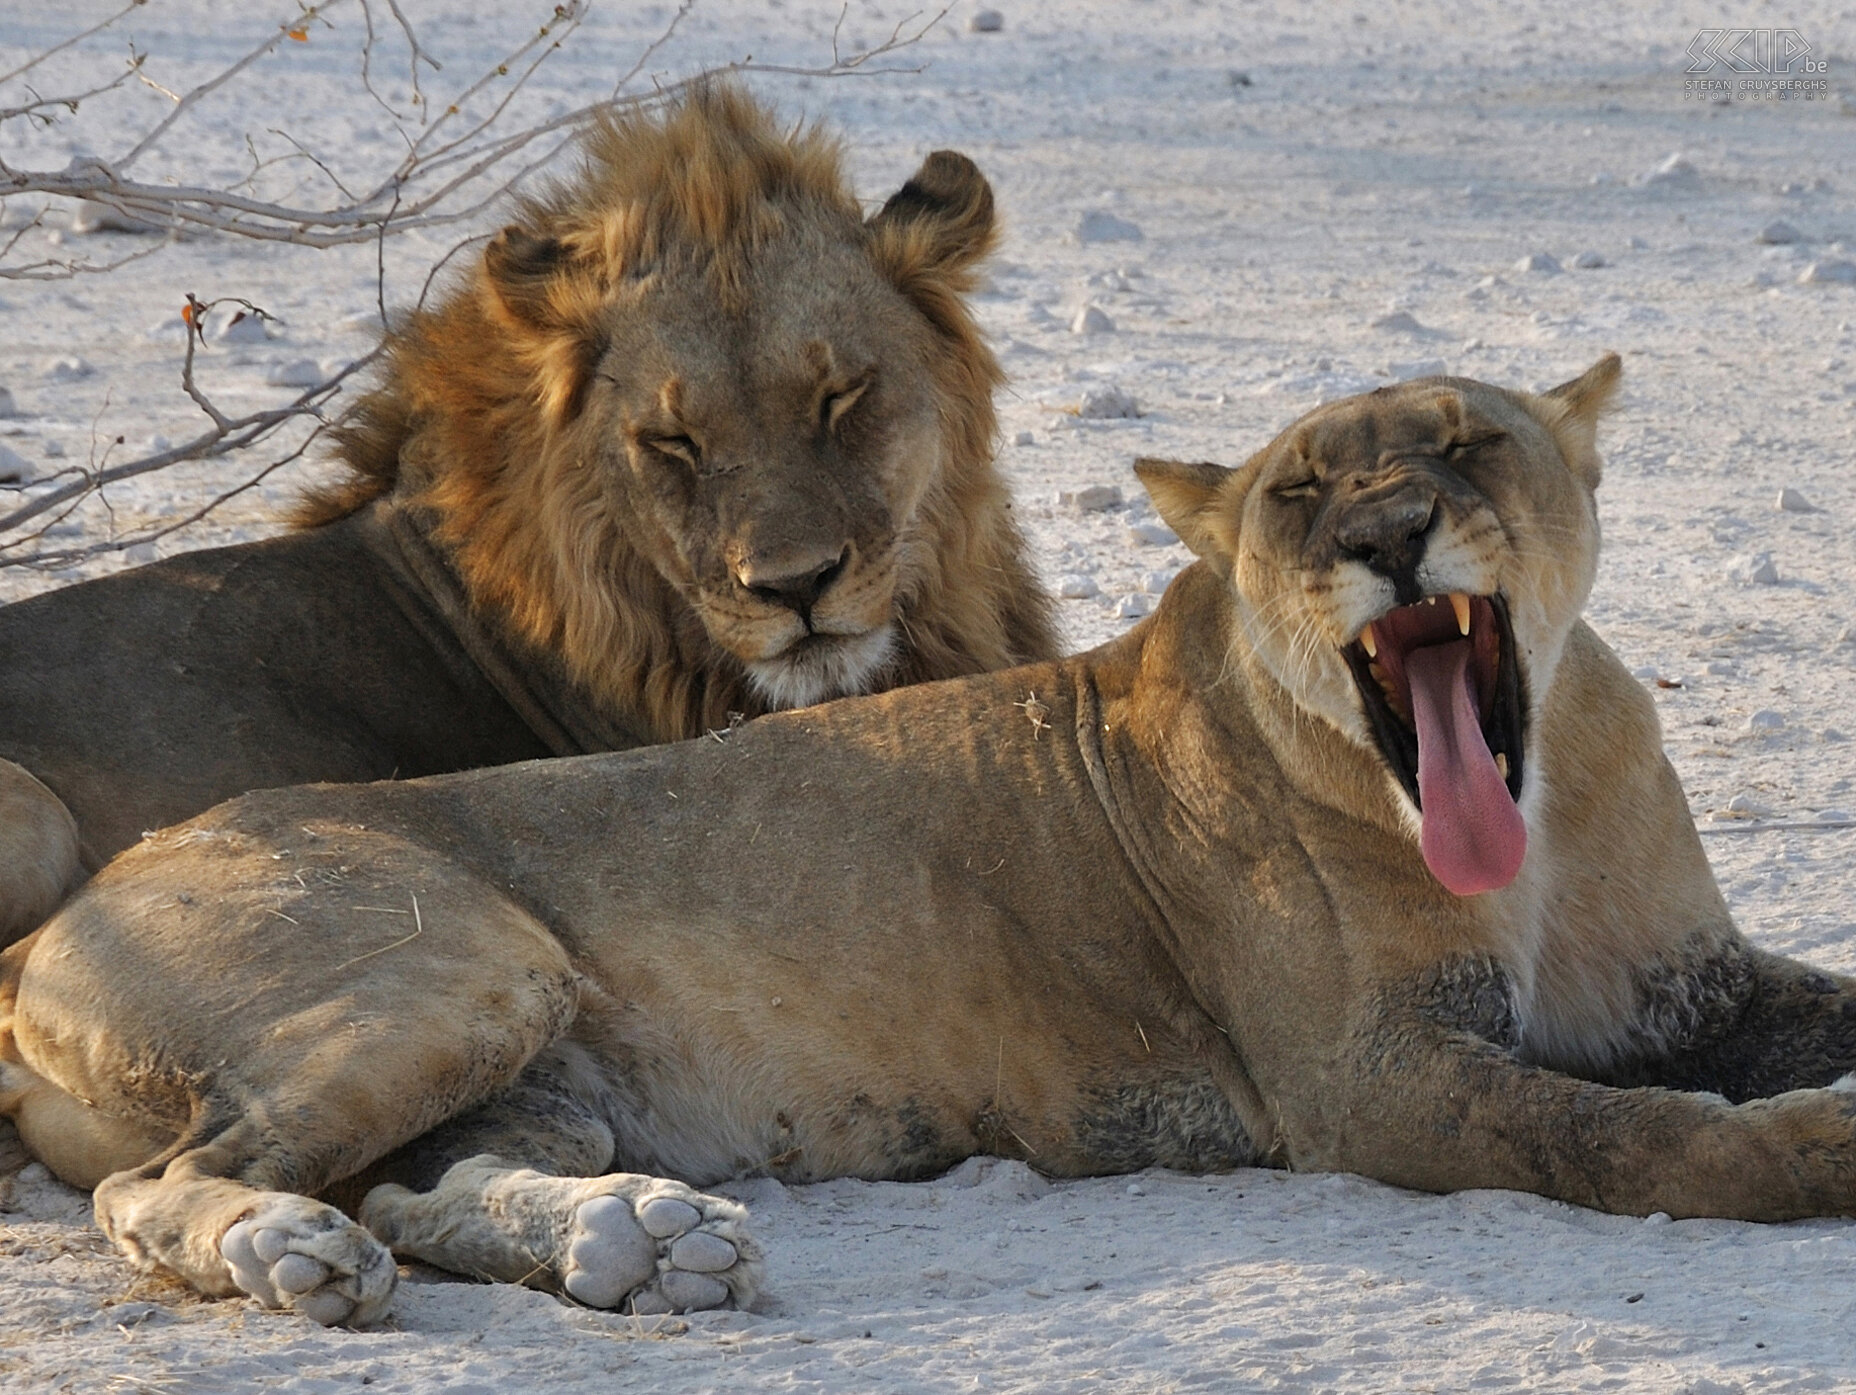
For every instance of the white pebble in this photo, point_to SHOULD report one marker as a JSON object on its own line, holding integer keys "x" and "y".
{"x": 1136, "y": 1189}
{"x": 1092, "y": 319}
{"x": 1099, "y": 225}
{"x": 1092, "y": 498}
{"x": 1154, "y": 583}
{"x": 1417, "y": 368}
{"x": 1544, "y": 262}
{"x": 1675, "y": 172}
{"x": 1152, "y": 535}
{"x": 1590, "y": 261}
{"x": 1107, "y": 404}
{"x": 1134, "y": 606}
{"x": 1765, "y": 720}
{"x": 8, "y": 408}
{"x": 241, "y": 327}
{"x": 1835, "y": 816}
{"x": 1399, "y": 322}
{"x": 14, "y": 467}
{"x": 1657, "y": 1218}
{"x": 1024, "y": 438}
{"x": 53, "y": 449}
{"x": 1828, "y": 273}
{"x": 986, "y": 22}
{"x": 1779, "y": 233}
{"x": 1074, "y": 586}
{"x": 1755, "y": 569}
{"x": 296, "y": 372}
{"x": 1791, "y": 501}
{"x": 67, "y": 368}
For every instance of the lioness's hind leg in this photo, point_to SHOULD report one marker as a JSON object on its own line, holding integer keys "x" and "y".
{"x": 224, "y": 1237}
{"x": 39, "y": 860}
{"x": 636, "y": 1243}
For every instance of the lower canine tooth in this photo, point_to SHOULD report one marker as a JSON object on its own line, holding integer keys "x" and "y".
{"x": 1501, "y": 764}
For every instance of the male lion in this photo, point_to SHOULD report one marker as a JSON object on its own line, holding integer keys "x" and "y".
{"x": 1359, "y": 854}
{"x": 696, "y": 438}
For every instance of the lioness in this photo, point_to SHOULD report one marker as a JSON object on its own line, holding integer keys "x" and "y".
{"x": 695, "y": 438}
{"x": 1360, "y": 854}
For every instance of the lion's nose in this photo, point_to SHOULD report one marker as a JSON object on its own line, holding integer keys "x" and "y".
{"x": 797, "y": 585}
{"x": 1389, "y": 537}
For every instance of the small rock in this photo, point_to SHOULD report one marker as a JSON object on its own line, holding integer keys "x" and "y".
{"x": 1637, "y": 244}
{"x": 1544, "y": 262}
{"x": 14, "y": 467}
{"x": 1416, "y": 368}
{"x": 1074, "y": 586}
{"x": 1024, "y": 438}
{"x": 1399, "y": 322}
{"x": 1832, "y": 272}
{"x": 1755, "y": 569}
{"x": 92, "y": 217}
{"x": 1134, "y": 606}
{"x": 1152, "y": 535}
{"x": 1136, "y": 1189}
{"x": 1741, "y": 806}
{"x": 53, "y": 449}
{"x": 1099, "y": 225}
{"x": 141, "y": 554}
{"x": 67, "y": 368}
{"x": 1778, "y": 233}
{"x": 242, "y": 327}
{"x": 986, "y": 22}
{"x": 1590, "y": 261}
{"x": 1236, "y": 77}
{"x": 1107, "y": 404}
{"x": 1155, "y": 583}
{"x": 1092, "y": 319}
{"x": 1765, "y": 720}
{"x": 1675, "y": 172}
{"x": 297, "y": 373}
{"x": 8, "y": 407}
{"x": 1657, "y": 1218}
{"x": 1835, "y": 816}
{"x": 1092, "y": 498}
{"x": 1791, "y": 501}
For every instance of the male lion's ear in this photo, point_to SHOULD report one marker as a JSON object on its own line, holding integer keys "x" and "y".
{"x": 943, "y": 217}
{"x": 1188, "y": 497}
{"x": 1574, "y": 410}
{"x": 520, "y": 268}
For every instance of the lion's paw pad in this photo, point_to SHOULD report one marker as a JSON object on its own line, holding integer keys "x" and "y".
{"x": 299, "y": 1254}
{"x": 660, "y": 1253}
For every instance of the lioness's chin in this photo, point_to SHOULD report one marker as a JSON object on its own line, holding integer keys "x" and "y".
{"x": 822, "y": 666}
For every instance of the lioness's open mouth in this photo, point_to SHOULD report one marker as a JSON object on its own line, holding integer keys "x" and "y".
{"x": 1441, "y": 683}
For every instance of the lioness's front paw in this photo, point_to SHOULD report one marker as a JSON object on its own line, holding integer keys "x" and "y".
{"x": 659, "y": 1247}
{"x": 295, "y": 1253}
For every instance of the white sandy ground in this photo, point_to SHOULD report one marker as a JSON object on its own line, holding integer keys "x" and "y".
{"x": 1402, "y": 156}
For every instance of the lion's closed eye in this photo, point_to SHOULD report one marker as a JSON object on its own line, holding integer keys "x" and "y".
{"x": 835, "y": 404}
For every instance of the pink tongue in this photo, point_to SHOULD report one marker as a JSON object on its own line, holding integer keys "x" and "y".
{"x": 1474, "y": 837}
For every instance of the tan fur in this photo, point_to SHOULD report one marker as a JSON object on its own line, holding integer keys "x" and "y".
{"x": 671, "y": 261}
{"x": 1181, "y": 919}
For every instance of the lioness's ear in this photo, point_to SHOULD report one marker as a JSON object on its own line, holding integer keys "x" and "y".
{"x": 1188, "y": 497}
{"x": 520, "y": 268}
{"x": 1575, "y": 409}
{"x": 942, "y": 219}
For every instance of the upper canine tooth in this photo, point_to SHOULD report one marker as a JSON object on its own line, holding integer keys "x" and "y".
{"x": 1369, "y": 641}
{"x": 1460, "y": 604}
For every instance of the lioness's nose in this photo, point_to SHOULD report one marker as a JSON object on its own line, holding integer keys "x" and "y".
{"x": 1389, "y": 535}
{"x": 794, "y": 583}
